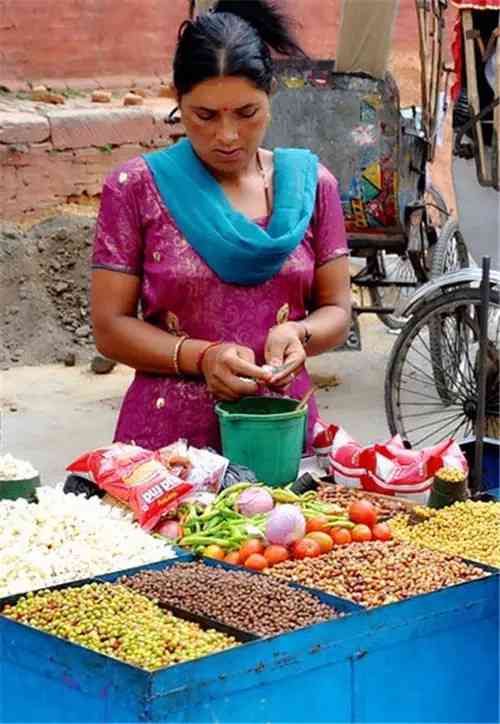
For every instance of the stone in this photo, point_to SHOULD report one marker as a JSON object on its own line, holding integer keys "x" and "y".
{"x": 13, "y": 408}
{"x": 96, "y": 128}
{"x": 101, "y": 365}
{"x": 23, "y": 128}
{"x": 82, "y": 331}
{"x": 132, "y": 99}
{"x": 70, "y": 359}
{"x": 100, "y": 96}
{"x": 41, "y": 246}
{"x": 60, "y": 287}
{"x": 23, "y": 294}
{"x": 42, "y": 95}
{"x": 139, "y": 92}
{"x": 167, "y": 91}
{"x": 61, "y": 235}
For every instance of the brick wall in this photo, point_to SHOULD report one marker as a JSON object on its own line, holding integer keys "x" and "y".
{"x": 117, "y": 41}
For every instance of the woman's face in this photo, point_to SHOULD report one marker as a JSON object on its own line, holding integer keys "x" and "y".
{"x": 226, "y": 119}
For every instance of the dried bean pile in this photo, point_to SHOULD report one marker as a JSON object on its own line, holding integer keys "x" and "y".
{"x": 251, "y": 603}
{"x": 118, "y": 622}
{"x": 470, "y": 529}
{"x": 385, "y": 505}
{"x": 375, "y": 573}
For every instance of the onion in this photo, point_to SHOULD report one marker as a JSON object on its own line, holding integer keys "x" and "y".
{"x": 253, "y": 501}
{"x": 285, "y": 525}
{"x": 169, "y": 529}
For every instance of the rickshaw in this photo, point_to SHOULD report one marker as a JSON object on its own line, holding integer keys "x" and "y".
{"x": 442, "y": 379}
{"x": 348, "y": 111}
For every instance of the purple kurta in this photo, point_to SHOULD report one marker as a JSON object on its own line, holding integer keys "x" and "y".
{"x": 182, "y": 295}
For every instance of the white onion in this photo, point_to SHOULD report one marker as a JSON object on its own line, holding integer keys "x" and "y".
{"x": 285, "y": 525}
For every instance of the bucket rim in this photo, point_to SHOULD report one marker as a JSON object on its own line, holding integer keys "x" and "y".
{"x": 277, "y": 416}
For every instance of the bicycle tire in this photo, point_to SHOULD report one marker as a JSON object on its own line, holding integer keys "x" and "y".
{"x": 402, "y": 344}
{"x": 443, "y": 264}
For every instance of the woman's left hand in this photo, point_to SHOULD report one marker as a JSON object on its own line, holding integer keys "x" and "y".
{"x": 284, "y": 348}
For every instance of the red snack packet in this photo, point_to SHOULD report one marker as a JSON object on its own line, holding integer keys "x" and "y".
{"x": 137, "y": 478}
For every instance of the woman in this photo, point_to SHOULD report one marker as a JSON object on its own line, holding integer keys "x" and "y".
{"x": 237, "y": 256}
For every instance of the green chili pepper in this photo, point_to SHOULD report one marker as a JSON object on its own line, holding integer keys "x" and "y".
{"x": 203, "y": 540}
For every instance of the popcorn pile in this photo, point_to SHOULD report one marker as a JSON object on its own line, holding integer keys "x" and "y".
{"x": 13, "y": 469}
{"x": 65, "y": 537}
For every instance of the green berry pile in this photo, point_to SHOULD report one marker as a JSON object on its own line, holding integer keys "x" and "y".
{"x": 116, "y": 621}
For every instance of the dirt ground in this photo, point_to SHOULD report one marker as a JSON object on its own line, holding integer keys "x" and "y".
{"x": 44, "y": 277}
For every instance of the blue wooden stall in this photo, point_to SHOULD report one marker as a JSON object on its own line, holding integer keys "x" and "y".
{"x": 430, "y": 658}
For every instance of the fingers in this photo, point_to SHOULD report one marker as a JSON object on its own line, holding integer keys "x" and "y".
{"x": 294, "y": 361}
{"x": 275, "y": 350}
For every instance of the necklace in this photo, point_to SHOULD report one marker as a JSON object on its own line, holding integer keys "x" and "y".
{"x": 266, "y": 184}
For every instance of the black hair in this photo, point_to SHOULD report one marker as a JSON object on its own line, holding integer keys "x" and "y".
{"x": 236, "y": 39}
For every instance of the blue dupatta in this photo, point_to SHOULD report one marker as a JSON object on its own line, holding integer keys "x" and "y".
{"x": 237, "y": 249}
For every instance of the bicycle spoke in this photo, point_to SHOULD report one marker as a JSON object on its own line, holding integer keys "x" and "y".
{"x": 434, "y": 432}
{"x": 447, "y": 420}
{"x": 432, "y": 414}
{"x": 420, "y": 394}
{"x": 441, "y": 405}
{"x": 430, "y": 353}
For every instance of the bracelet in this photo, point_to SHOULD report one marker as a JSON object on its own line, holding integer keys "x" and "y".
{"x": 202, "y": 354}
{"x": 307, "y": 335}
{"x": 177, "y": 353}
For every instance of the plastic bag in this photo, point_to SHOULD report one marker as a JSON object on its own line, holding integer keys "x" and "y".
{"x": 204, "y": 468}
{"x": 136, "y": 477}
{"x": 388, "y": 468}
{"x": 78, "y": 485}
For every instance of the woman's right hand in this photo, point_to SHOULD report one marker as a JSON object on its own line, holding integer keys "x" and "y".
{"x": 223, "y": 367}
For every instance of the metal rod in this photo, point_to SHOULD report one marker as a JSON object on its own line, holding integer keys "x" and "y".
{"x": 481, "y": 392}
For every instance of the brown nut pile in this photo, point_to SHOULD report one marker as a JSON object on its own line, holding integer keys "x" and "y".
{"x": 376, "y": 573}
{"x": 385, "y": 505}
{"x": 252, "y": 603}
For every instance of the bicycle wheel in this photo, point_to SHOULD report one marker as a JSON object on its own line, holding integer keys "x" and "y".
{"x": 450, "y": 255}
{"x": 414, "y": 406}
{"x": 426, "y": 224}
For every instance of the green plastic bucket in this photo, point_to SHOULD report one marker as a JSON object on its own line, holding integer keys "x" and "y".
{"x": 266, "y": 434}
{"x": 13, "y": 489}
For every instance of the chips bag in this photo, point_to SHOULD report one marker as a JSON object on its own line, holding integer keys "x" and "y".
{"x": 136, "y": 477}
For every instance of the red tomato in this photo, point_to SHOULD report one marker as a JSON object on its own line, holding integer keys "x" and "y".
{"x": 382, "y": 531}
{"x": 276, "y": 554}
{"x": 317, "y": 524}
{"x": 324, "y": 541}
{"x": 214, "y": 551}
{"x": 361, "y": 533}
{"x": 233, "y": 557}
{"x": 362, "y": 511}
{"x": 256, "y": 562}
{"x": 306, "y": 548}
{"x": 254, "y": 545}
{"x": 341, "y": 536}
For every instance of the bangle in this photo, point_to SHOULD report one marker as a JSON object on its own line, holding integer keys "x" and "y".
{"x": 177, "y": 352}
{"x": 202, "y": 354}
{"x": 307, "y": 334}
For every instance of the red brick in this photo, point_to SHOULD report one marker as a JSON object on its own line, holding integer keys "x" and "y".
{"x": 100, "y": 127}
{"x": 23, "y": 128}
